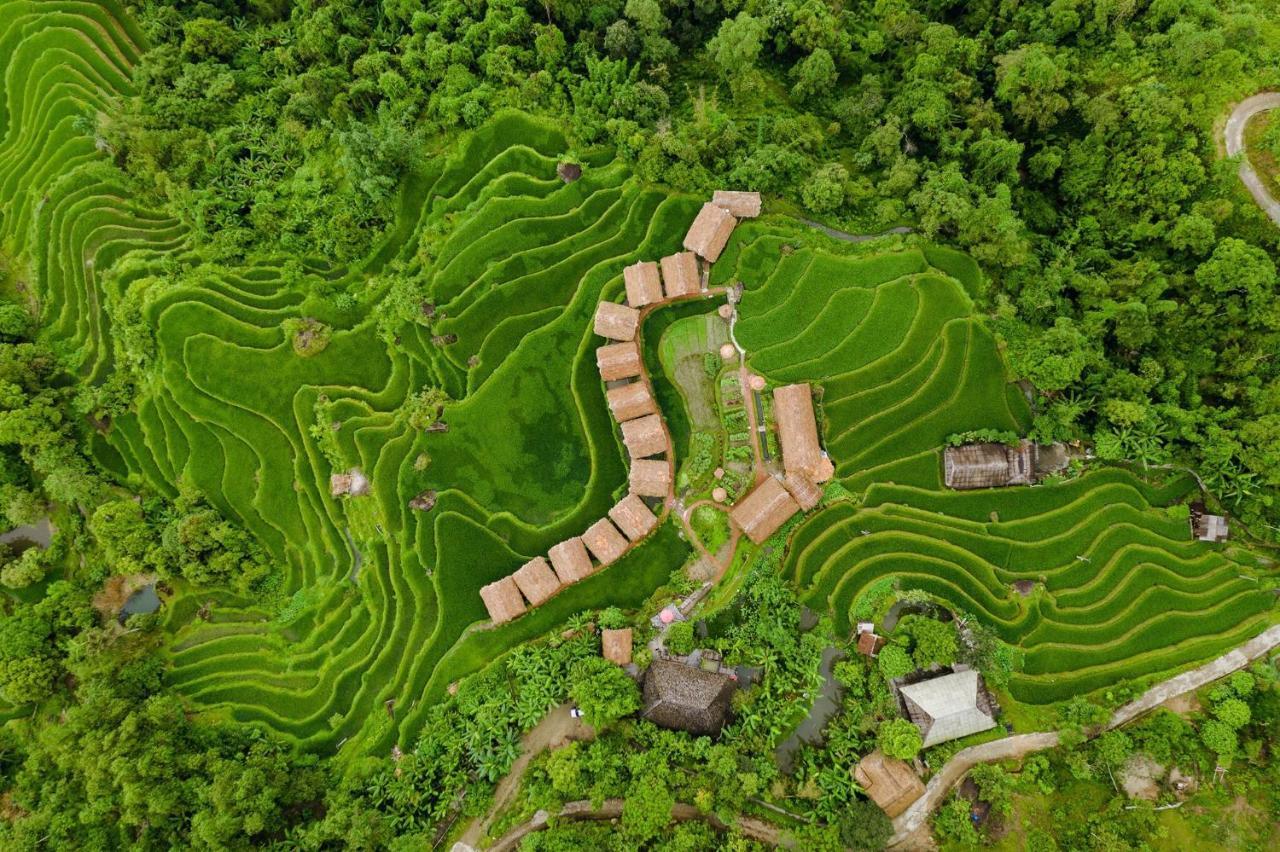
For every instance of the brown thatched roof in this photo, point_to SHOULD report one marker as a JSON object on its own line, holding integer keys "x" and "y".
{"x": 644, "y": 286}
{"x": 869, "y": 644}
{"x": 710, "y": 231}
{"x": 570, "y": 560}
{"x": 650, "y": 478}
{"x": 353, "y": 483}
{"x": 744, "y": 205}
{"x": 537, "y": 581}
{"x": 806, "y": 492}
{"x": 764, "y": 510}
{"x": 616, "y": 645}
{"x": 569, "y": 172}
{"x": 798, "y": 430}
{"x": 616, "y": 322}
{"x": 502, "y": 599}
{"x": 686, "y": 698}
{"x": 604, "y": 541}
{"x": 644, "y": 436}
{"x": 680, "y": 274}
{"x": 890, "y": 783}
{"x": 988, "y": 465}
{"x": 618, "y": 361}
{"x": 633, "y": 517}
{"x": 631, "y": 401}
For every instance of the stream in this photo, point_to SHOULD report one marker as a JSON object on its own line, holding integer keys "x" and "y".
{"x": 824, "y": 707}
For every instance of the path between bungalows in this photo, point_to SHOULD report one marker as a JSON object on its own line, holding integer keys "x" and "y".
{"x": 845, "y": 236}
{"x": 913, "y": 818}
{"x": 1233, "y": 134}
{"x": 556, "y": 728}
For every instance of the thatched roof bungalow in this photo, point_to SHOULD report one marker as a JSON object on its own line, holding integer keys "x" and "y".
{"x": 615, "y": 645}
{"x": 710, "y": 232}
{"x": 605, "y": 542}
{"x": 619, "y": 361}
{"x": 571, "y": 561}
{"x": 536, "y": 580}
{"x": 502, "y": 600}
{"x": 680, "y": 274}
{"x": 686, "y": 698}
{"x": 633, "y": 517}
{"x": 616, "y": 322}
{"x": 644, "y": 436}
{"x": 631, "y": 401}
{"x": 643, "y": 283}
{"x": 650, "y": 478}
{"x": 803, "y": 489}
{"x": 764, "y": 510}
{"x": 989, "y": 465}
{"x": 890, "y": 783}
{"x": 798, "y": 430}
{"x": 744, "y": 205}
{"x": 949, "y": 707}
{"x": 353, "y": 483}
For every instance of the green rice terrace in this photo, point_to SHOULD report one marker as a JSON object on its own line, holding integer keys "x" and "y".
{"x": 382, "y": 601}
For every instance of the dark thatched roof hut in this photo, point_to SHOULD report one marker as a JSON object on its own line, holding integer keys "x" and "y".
{"x": 687, "y": 698}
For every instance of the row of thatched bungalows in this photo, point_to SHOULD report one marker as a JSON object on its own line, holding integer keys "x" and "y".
{"x": 631, "y": 402}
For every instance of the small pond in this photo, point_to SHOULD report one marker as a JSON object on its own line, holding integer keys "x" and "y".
{"x": 141, "y": 602}
{"x": 38, "y": 534}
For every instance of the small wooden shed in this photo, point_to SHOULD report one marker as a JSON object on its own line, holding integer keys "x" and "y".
{"x": 616, "y": 322}
{"x": 643, "y": 283}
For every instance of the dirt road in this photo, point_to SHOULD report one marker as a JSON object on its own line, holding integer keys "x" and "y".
{"x": 556, "y": 729}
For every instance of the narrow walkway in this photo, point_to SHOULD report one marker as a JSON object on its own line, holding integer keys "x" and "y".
{"x": 752, "y": 827}
{"x": 556, "y": 728}
{"x": 845, "y": 236}
{"x": 1008, "y": 748}
{"x": 1233, "y": 135}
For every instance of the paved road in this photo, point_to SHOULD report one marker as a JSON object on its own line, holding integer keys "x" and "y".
{"x": 913, "y": 818}
{"x": 1234, "y": 137}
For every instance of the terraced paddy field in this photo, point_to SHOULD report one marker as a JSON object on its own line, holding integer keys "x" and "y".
{"x": 1121, "y": 589}
{"x": 376, "y": 604}
{"x": 376, "y": 608}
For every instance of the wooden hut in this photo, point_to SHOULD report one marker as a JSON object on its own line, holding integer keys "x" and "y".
{"x": 616, "y": 645}
{"x": 619, "y": 361}
{"x": 686, "y": 698}
{"x": 988, "y": 465}
{"x": 949, "y": 707}
{"x": 644, "y": 436}
{"x": 536, "y": 580}
{"x": 798, "y": 430}
{"x": 571, "y": 561}
{"x": 650, "y": 478}
{"x": 890, "y": 783}
{"x": 803, "y": 489}
{"x": 1208, "y": 527}
{"x": 352, "y": 483}
{"x": 680, "y": 274}
{"x": 604, "y": 541}
{"x": 502, "y": 600}
{"x": 869, "y": 644}
{"x": 744, "y": 205}
{"x": 644, "y": 285}
{"x": 569, "y": 172}
{"x": 631, "y": 401}
{"x": 616, "y": 322}
{"x": 764, "y": 510}
{"x": 633, "y": 517}
{"x": 710, "y": 232}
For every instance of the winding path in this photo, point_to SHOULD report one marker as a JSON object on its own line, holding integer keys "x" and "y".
{"x": 913, "y": 818}
{"x": 1233, "y": 135}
